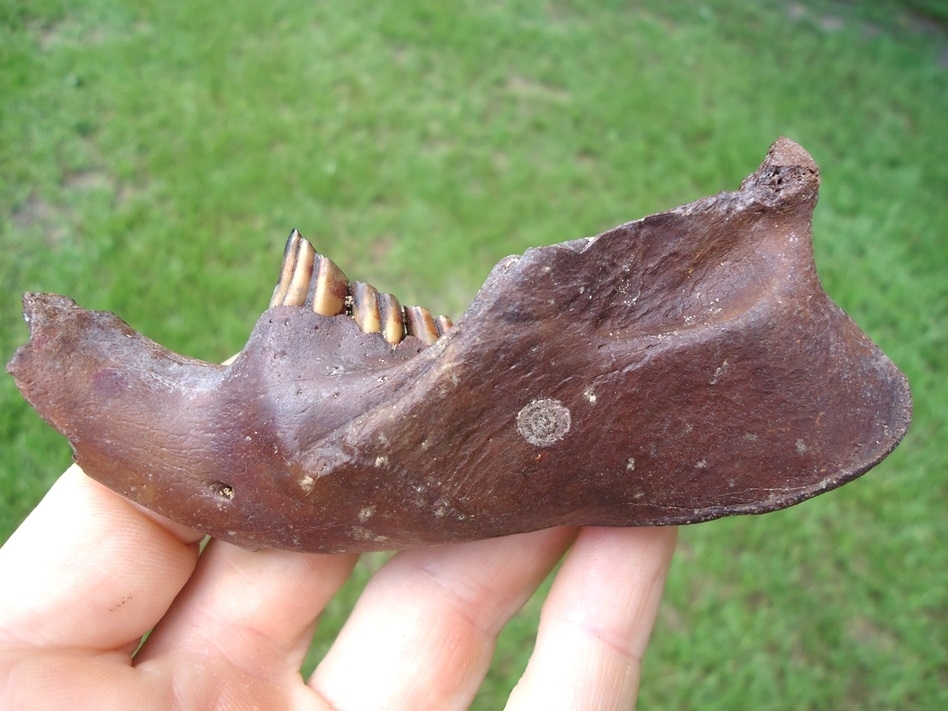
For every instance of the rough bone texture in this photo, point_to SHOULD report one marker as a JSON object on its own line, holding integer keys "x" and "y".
{"x": 676, "y": 369}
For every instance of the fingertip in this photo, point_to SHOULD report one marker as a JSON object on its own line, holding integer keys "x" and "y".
{"x": 596, "y": 621}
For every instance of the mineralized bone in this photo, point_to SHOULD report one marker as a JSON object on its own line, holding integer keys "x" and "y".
{"x": 672, "y": 370}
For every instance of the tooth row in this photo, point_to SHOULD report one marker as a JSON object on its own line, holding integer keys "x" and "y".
{"x": 311, "y": 280}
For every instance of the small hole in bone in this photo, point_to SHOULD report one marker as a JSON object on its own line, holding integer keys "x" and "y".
{"x": 222, "y": 490}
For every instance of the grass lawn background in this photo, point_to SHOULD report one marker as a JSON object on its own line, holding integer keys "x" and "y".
{"x": 154, "y": 155}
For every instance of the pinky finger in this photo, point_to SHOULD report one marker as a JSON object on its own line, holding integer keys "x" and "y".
{"x": 596, "y": 621}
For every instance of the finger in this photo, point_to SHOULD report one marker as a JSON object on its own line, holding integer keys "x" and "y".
{"x": 423, "y": 632}
{"x": 253, "y": 610}
{"x": 596, "y": 621}
{"x": 89, "y": 570}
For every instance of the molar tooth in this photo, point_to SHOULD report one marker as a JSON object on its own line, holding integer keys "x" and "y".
{"x": 365, "y": 307}
{"x": 392, "y": 318}
{"x": 420, "y": 323}
{"x": 290, "y": 255}
{"x": 443, "y": 323}
{"x": 307, "y": 278}
{"x": 329, "y": 288}
{"x": 298, "y": 287}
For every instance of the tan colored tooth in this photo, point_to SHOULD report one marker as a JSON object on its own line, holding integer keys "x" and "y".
{"x": 392, "y": 318}
{"x": 443, "y": 323}
{"x": 365, "y": 307}
{"x": 330, "y": 288}
{"x": 298, "y": 288}
{"x": 308, "y": 278}
{"x": 421, "y": 324}
{"x": 290, "y": 255}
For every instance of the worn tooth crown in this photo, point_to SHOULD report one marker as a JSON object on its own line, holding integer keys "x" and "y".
{"x": 420, "y": 323}
{"x": 392, "y": 318}
{"x": 365, "y": 308}
{"x": 307, "y": 278}
{"x": 295, "y": 274}
{"x": 329, "y": 288}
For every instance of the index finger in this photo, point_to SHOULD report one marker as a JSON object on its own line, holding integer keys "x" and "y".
{"x": 89, "y": 570}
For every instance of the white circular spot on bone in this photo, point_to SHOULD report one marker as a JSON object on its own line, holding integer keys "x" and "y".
{"x": 543, "y": 422}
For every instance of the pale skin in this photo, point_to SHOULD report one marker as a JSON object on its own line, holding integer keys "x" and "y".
{"x": 88, "y": 573}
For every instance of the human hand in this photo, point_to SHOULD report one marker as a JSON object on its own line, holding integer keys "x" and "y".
{"x": 89, "y": 573}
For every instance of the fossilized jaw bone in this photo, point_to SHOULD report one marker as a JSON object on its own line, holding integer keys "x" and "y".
{"x": 672, "y": 370}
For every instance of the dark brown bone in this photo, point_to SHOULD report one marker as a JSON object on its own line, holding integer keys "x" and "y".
{"x": 676, "y": 369}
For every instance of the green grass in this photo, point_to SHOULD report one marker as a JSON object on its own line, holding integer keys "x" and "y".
{"x": 153, "y": 156}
